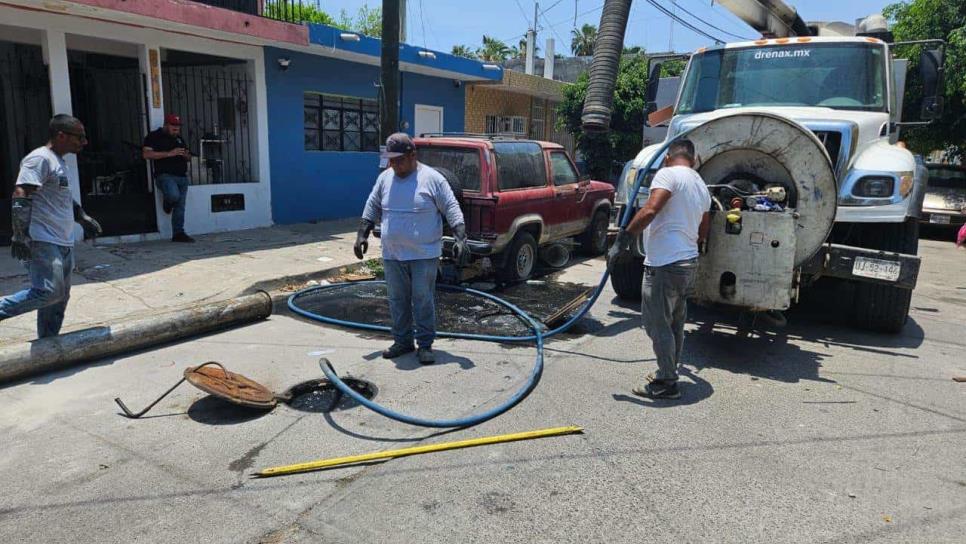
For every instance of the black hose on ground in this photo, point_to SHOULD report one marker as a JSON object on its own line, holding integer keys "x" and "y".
{"x": 603, "y": 70}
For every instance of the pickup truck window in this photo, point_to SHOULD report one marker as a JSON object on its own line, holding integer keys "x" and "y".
{"x": 519, "y": 165}
{"x": 459, "y": 165}
{"x": 563, "y": 172}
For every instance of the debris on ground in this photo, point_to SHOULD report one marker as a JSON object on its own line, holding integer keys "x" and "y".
{"x": 960, "y": 379}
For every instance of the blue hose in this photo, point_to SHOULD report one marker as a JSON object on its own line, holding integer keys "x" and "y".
{"x": 532, "y": 380}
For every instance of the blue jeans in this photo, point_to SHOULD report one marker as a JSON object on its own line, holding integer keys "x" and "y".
{"x": 174, "y": 191}
{"x": 412, "y": 286}
{"x": 664, "y": 309}
{"x": 49, "y": 268}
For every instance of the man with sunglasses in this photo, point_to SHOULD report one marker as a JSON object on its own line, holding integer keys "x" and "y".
{"x": 44, "y": 213}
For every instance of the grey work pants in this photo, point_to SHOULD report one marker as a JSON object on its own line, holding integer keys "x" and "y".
{"x": 664, "y": 309}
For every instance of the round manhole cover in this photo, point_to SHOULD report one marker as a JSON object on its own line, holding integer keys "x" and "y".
{"x": 214, "y": 379}
{"x": 321, "y": 396}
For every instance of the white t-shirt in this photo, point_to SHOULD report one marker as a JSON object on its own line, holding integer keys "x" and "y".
{"x": 673, "y": 234}
{"x": 52, "y": 214}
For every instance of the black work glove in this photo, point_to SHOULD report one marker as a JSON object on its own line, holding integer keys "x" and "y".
{"x": 92, "y": 229}
{"x": 362, "y": 243}
{"x": 20, "y": 239}
{"x": 620, "y": 250}
{"x": 461, "y": 253}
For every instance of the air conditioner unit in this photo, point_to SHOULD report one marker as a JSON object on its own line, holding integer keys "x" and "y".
{"x": 514, "y": 125}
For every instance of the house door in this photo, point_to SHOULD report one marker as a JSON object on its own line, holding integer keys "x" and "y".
{"x": 107, "y": 95}
{"x": 24, "y": 113}
{"x": 429, "y": 120}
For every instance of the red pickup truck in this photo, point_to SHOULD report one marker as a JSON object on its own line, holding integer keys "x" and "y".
{"x": 518, "y": 196}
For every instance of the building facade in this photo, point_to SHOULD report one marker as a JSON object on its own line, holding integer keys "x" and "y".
{"x": 120, "y": 66}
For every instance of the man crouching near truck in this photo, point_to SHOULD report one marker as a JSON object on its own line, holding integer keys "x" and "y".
{"x": 675, "y": 222}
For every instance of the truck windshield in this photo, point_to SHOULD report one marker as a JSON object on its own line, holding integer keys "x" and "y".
{"x": 840, "y": 76}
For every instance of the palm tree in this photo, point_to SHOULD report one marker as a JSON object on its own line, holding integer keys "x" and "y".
{"x": 463, "y": 51}
{"x": 521, "y": 50}
{"x": 582, "y": 41}
{"x": 493, "y": 50}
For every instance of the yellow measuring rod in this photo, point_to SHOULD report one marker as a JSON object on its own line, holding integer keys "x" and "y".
{"x": 390, "y": 454}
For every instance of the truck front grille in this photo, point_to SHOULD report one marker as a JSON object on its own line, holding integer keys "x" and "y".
{"x": 832, "y": 140}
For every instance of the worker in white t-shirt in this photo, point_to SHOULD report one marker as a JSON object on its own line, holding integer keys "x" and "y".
{"x": 675, "y": 221}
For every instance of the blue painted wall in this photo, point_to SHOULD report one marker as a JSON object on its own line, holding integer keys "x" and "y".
{"x": 314, "y": 185}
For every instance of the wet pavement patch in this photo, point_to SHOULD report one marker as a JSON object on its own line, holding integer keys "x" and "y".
{"x": 455, "y": 312}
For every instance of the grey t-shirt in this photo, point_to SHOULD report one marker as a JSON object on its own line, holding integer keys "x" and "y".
{"x": 52, "y": 215}
{"x": 409, "y": 212}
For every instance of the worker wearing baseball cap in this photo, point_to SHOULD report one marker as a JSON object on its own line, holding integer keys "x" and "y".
{"x": 409, "y": 200}
{"x": 169, "y": 155}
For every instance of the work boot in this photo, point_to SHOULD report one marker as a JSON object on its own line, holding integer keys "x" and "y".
{"x": 658, "y": 389}
{"x": 396, "y": 349}
{"x": 182, "y": 237}
{"x": 425, "y": 356}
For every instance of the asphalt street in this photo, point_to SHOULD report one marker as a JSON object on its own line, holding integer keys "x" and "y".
{"x": 815, "y": 433}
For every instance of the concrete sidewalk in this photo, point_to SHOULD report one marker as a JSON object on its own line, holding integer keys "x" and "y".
{"x": 117, "y": 282}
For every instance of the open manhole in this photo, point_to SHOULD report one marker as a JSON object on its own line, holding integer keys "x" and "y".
{"x": 321, "y": 396}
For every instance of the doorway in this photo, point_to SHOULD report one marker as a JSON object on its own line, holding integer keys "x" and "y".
{"x": 107, "y": 95}
{"x": 429, "y": 120}
{"x": 25, "y": 111}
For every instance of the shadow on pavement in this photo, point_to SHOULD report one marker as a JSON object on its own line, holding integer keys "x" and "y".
{"x": 214, "y": 411}
{"x": 694, "y": 389}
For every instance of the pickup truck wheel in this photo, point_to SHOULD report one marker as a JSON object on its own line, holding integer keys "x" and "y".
{"x": 593, "y": 241}
{"x": 521, "y": 257}
{"x": 626, "y": 279}
{"x": 880, "y": 307}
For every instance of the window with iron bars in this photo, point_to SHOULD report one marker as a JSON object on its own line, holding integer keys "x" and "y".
{"x": 340, "y": 123}
{"x": 537, "y": 119}
{"x": 515, "y": 125}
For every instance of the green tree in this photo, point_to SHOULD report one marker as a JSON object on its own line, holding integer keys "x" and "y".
{"x": 521, "y": 50}
{"x": 493, "y": 50}
{"x": 672, "y": 67}
{"x": 930, "y": 19}
{"x": 463, "y": 51}
{"x": 307, "y": 13}
{"x": 606, "y": 153}
{"x": 582, "y": 41}
{"x": 367, "y": 21}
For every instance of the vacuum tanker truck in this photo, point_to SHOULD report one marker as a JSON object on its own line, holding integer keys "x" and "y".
{"x": 797, "y": 139}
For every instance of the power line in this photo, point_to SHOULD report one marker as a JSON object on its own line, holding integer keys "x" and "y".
{"x": 682, "y": 8}
{"x": 686, "y": 24}
{"x": 551, "y": 7}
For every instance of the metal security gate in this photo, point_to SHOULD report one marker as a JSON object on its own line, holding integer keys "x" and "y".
{"x": 24, "y": 113}
{"x": 215, "y": 102}
{"x": 107, "y": 94}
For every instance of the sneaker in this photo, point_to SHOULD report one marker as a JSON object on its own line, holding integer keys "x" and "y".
{"x": 166, "y": 207}
{"x": 396, "y": 350}
{"x": 425, "y": 356}
{"x": 658, "y": 389}
{"x": 182, "y": 237}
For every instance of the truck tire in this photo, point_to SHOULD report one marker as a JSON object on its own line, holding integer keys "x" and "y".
{"x": 626, "y": 279}
{"x": 593, "y": 241}
{"x": 520, "y": 258}
{"x": 883, "y": 308}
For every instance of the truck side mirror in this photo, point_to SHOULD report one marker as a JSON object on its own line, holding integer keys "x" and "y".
{"x": 932, "y": 72}
{"x": 653, "y": 81}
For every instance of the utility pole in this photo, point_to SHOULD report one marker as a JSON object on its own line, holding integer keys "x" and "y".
{"x": 532, "y": 40}
{"x": 403, "y": 21}
{"x": 389, "y": 75}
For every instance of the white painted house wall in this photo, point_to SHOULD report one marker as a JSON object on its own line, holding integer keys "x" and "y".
{"x": 199, "y": 218}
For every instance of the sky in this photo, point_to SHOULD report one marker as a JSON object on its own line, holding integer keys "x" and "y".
{"x": 441, "y": 24}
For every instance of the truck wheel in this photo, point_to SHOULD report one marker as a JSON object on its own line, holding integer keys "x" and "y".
{"x": 879, "y": 307}
{"x": 593, "y": 241}
{"x": 626, "y": 278}
{"x": 521, "y": 256}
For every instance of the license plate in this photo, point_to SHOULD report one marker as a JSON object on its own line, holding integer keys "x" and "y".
{"x": 876, "y": 268}
{"x": 939, "y": 219}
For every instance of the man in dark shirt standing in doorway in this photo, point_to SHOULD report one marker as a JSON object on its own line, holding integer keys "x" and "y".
{"x": 169, "y": 154}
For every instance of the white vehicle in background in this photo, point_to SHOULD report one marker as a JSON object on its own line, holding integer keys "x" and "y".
{"x": 842, "y": 91}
